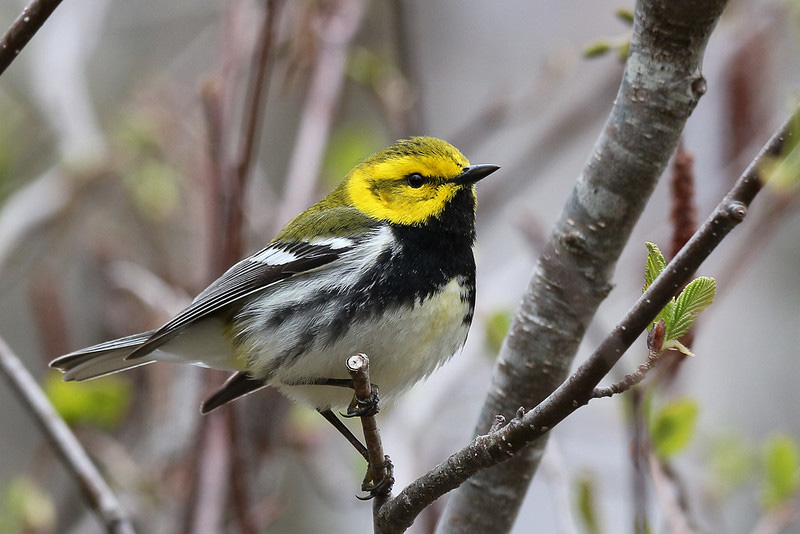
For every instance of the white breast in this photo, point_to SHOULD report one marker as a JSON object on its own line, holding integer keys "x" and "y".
{"x": 404, "y": 346}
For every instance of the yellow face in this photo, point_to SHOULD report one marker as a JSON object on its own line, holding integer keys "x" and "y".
{"x": 407, "y": 186}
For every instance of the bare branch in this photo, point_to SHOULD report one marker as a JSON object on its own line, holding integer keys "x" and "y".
{"x": 23, "y": 29}
{"x": 257, "y": 90}
{"x": 661, "y": 85}
{"x": 210, "y": 474}
{"x": 358, "y": 366}
{"x": 672, "y": 496}
{"x": 502, "y": 444}
{"x": 240, "y": 470}
{"x": 412, "y": 120}
{"x": 629, "y": 380}
{"x": 233, "y": 176}
{"x": 98, "y": 494}
{"x": 778, "y": 520}
{"x": 327, "y": 80}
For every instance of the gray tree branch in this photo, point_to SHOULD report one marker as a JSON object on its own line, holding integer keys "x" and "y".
{"x": 502, "y": 444}
{"x": 661, "y": 85}
{"x": 99, "y": 496}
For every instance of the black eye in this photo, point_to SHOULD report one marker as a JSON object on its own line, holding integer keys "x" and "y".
{"x": 415, "y": 180}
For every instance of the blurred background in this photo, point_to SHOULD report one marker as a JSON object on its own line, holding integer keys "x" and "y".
{"x": 124, "y": 157}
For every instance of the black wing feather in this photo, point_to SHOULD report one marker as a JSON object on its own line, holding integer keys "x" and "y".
{"x": 244, "y": 278}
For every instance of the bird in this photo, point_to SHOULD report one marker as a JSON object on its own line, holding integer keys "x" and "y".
{"x": 383, "y": 265}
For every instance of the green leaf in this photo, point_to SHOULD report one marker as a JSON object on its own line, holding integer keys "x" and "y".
{"x": 655, "y": 263}
{"x": 496, "y": 330}
{"x": 597, "y": 49}
{"x": 623, "y": 50}
{"x": 102, "y": 403}
{"x": 696, "y": 297}
{"x": 25, "y": 507}
{"x": 782, "y": 470}
{"x": 587, "y": 504}
{"x": 733, "y": 464}
{"x": 154, "y": 187}
{"x": 348, "y": 145}
{"x": 672, "y": 427}
{"x": 625, "y": 15}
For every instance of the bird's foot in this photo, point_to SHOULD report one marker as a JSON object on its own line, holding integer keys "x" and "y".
{"x": 364, "y": 408}
{"x": 382, "y": 487}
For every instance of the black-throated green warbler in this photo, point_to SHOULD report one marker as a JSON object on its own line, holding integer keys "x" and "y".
{"x": 383, "y": 265}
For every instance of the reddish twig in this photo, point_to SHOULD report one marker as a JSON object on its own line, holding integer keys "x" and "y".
{"x": 684, "y": 210}
{"x": 23, "y": 29}
{"x": 335, "y": 35}
{"x": 47, "y": 306}
{"x": 684, "y": 224}
{"x": 411, "y": 119}
{"x": 236, "y": 175}
{"x": 219, "y": 437}
{"x": 233, "y": 241}
{"x": 257, "y": 90}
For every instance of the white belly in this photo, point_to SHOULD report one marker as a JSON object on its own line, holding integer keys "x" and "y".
{"x": 404, "y": 346}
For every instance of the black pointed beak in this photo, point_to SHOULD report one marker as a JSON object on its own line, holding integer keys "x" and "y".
{"x": 473, "y": 173}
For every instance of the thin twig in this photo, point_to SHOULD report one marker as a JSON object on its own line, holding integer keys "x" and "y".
{"x": 327, "y": 81}
{"x": 257, "y": 90}
{"x": 778, "y": 520}
{"x": 240, "y": 470}
{"x": 358, "y": 366}
{"x": 639, "y": 449}
{"x": 233, "y": 243}
{"x": 496, "y": 447}
{"x": 23, "y": 29}
{"x": 218, "y": 435}
{"x": 672, "y": 497}
{"x": 98, "y": 494}
{"x": 210, "y": 467}
{"x": 683, "y": 215}
{"x": 411, "y": 118}
{"x": 629, "y": 380}
{"x": 46, "y": 300}
{"x": 235, "y": 175}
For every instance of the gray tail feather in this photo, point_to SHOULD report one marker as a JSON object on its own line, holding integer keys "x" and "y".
{"x": 103, "y": 359}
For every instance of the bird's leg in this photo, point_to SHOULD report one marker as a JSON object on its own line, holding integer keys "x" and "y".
{"x": 358, "y": 407}
{"x": 361, "y": 407}
{"x": 344, "y": 431}
{"x": 364, "y": 407}
{"x": 367, "y": 485}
